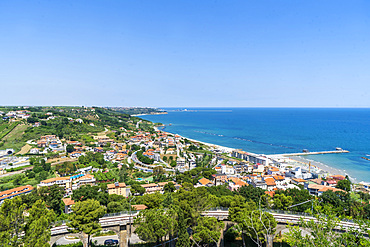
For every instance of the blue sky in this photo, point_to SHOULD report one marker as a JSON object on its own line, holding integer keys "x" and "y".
{"x": 185, "y": 53}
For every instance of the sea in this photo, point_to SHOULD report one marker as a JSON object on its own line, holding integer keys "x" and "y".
{"x": 281, "y": 130}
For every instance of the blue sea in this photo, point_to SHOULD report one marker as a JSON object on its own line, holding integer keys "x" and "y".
{"x": 281, "y": 130}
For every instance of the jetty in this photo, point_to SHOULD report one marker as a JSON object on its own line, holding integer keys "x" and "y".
{"x": 313, "y": 153}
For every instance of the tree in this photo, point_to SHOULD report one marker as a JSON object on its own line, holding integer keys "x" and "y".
{"x": 158, "y": 171}
{"x": 208, "y": 230}
{"x": 168, "y": 200}
{"x": 258, "y": 225}
{"x": 251, "y": 193}
{"x": 169, "y": 187}
{"x": 12, "y": 222}
{"x": 192, "y": 201}
{"x": 238, "y": 205}
{"x": 37, "y": 228}
{"x": 85, "y": 218}
{"x": 152, "y": 200}
{"x": 173, "y": 163}
{"x": 70, "y": 148}
{"x": 344, "y": 184}
{"x": 53, "y": 197}
{"x": 42, "y": 176}
{"x": 282, "y": 201}
{"x": 136, "y": 188}
{"x": 183, "y": 239}
{"x": 17, "y": 229}
{"x": 90, "y": 192}
{"x": 298, "y": 196}
{"x": 152, "y": 225}
{"x": 115, "y": 207}
{"x": 321, "y": 231}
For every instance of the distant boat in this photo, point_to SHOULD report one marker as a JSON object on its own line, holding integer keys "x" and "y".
{"x": 338, "y": 149}
{"x": 365, "y": 158}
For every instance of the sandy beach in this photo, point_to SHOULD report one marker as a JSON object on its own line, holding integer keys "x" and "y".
{"x": 322, "y": 166}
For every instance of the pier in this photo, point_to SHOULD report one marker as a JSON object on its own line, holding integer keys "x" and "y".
{"x": 313, "y": 153}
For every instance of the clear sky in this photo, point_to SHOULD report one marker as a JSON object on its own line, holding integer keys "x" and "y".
{"x": 157, "y": 53}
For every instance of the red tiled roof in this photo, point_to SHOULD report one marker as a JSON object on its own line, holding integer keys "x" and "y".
{"x": 68, "y": 201}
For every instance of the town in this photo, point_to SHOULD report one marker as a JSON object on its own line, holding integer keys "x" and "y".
{"x": 127, "y": 164}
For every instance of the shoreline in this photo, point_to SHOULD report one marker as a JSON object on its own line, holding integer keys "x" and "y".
{"x": 324, "y": 167}
{"x": 300, "y": 159}
{"x": 148, "y": 114}
{"x": 227, "y": 149}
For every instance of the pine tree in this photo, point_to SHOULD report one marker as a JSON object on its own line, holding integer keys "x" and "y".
{"x": 85, "y": 218}
{"x": 183, "y": 239}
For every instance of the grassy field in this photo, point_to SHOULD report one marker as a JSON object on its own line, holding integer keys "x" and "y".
{"x": 3, "y": 126}
{"x": 25, "y": 149}
{"x": 6, "y": 129}
{"x": 14, "y": 138}
{"x": 16, "y": 180}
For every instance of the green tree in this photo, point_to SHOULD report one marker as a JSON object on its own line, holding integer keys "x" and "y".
{"x": 158, "y": 172}
{"x": 321, "y": 231}
{"x": 152, "y": 225}
{"x": 70, "y": 148}
{"x": 12, "y": 221}
{"x": 53, "y": 197}
{"x": 168, "y": 200}
{"x": 258, "y": 225}
{"x": 170, "y": 187}
{"x": 37, "y": 229}
{"x": 173, "y": 163}
{"x": 115, "y": 207}
{"x": 238, "y": 205}
{"x": 207, "y": 231}
{"x": 183, "y": 239}
{"x": 282, "y": 201}
{"x": 90, "y": 192}
{"x": 152, "y": 200}
{"x": 251, "y": 193}
{"x": 137, "y": 189}
{"x": 85, "y": 218}
{"x": 192, "y": 201}
{"x": 298, "y": 196}
{"x": 344, "y": 184}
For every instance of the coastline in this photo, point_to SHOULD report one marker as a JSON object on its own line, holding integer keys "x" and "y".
{"x": 148, "y": 114}
{"x": 300, "y": 159}
{"x": 226, "y": 149}
{"x": 329, "y": 169}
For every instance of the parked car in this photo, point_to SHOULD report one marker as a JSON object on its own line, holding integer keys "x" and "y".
{"x": 111, "y": 242}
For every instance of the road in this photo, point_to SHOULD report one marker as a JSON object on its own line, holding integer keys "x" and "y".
{"x": 100, "y": 240}
{"x": 137, "y": 161}
{"x": 16, "y": 172}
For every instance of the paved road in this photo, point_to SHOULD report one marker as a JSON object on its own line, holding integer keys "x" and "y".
{"x": 133, "y": 240}
{"x": 12, "y": 173}
{"x": 136, "y": 160}
{"x": 100, "y": 240}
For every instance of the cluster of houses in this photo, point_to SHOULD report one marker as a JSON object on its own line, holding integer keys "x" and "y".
{"x": 270, "y": 178}
{"x": 21, "y": 114}
{"x": 51, "y": 142}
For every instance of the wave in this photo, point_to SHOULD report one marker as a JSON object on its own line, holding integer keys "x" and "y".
{"x": 247, "y": 140}
{"x": 265, "y": 143}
